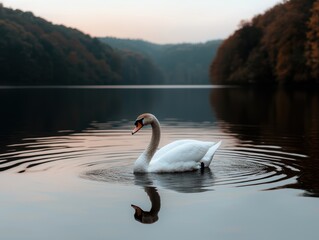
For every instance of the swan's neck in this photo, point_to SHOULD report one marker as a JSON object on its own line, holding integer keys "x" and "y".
{"x": 156, "y": 135}
{"x": 143, "y": 161}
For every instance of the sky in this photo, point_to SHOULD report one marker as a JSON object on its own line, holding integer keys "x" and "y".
{"x": 159, "y": 21}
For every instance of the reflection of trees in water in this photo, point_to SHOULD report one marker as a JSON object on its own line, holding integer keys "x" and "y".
{"x": 285, "y": 118}
{"x": 43, "y": 112}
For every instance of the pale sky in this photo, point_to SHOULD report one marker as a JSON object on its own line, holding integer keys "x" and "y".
{"x": 160, "y": 21}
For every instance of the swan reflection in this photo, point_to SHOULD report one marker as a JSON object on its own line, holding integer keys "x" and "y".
{"x": 186, "y": 182}
{"x": 149, "y": 217}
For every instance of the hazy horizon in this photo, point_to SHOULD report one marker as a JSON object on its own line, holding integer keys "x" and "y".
{"x": 173, "y": 21}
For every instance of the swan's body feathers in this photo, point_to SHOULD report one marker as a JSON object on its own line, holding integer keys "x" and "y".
{"x": 179, "y": 156}
{"x": 207, "y": 159}
{"x": 165, "y": 149}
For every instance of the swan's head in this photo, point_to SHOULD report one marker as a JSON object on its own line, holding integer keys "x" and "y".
{"x": 143, "y": 216}
{"x": 143, "y": 120}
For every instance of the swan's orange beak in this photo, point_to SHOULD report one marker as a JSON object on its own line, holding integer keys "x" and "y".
{"x": 137, "y": 127}
{"x": 137, "y": 209}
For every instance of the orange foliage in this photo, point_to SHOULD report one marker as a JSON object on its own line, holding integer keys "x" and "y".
{"x": 312, "y": 44}
{"x": 272, "y": 47}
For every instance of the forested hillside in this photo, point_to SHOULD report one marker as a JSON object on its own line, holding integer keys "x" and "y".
{"x": 179, "y": 63}
{"x": 280, "y": 46}
{"x": 34, "y": 51}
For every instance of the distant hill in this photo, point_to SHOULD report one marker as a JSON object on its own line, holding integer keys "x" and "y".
{"x": 279, "y": 47}
{"x": 34, "y": 51}
{"x": 179, "y": 63}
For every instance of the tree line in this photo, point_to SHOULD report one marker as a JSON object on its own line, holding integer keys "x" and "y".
{"x": 280, "y": 46}
{"x": 34, "y": 51}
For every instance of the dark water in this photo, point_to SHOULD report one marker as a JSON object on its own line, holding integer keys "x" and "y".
{"x": 66, "y": 158}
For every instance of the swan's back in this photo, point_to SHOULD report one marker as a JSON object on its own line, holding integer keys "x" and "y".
{"x": 180, "y": 156}
{"x": 165, "y": 149}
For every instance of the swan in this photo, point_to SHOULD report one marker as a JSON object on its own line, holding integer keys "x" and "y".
{"x": 178, "y": 156}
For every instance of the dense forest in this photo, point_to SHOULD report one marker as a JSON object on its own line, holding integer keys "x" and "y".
{"x": 280, "y": 46}
{"x": 34, "y": 51}
{"x": 178, "y": 63}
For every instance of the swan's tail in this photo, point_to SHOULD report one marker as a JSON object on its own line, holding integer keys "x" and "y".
{"x": 207, "y": 159}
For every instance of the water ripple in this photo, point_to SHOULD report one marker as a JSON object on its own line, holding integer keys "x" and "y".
{"x": 108, "y": 156}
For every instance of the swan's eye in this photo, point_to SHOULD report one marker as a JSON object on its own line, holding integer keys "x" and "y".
{"x": 140, "y": 121}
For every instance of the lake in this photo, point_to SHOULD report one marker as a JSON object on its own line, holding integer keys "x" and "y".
{"x": 67, "y": 154}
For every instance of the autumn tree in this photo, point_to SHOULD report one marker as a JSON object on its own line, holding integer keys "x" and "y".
{"x": 34, "y": 51}
{"x": 312, "y": 44}
{"x": 271, "y": 48}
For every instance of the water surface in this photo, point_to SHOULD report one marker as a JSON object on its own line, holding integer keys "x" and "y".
{"x": 66, "y": 158}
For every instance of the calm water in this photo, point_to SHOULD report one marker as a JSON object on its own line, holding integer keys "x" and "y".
{"x": 66, "y": 158}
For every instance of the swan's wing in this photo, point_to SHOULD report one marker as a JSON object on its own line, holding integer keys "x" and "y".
{"x": 183, "y": 157}
{"x": 210, "y": 153}
{"x": 171, "y": 146}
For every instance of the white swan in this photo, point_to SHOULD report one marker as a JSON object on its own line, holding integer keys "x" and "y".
{"x": 178, "y": 156}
